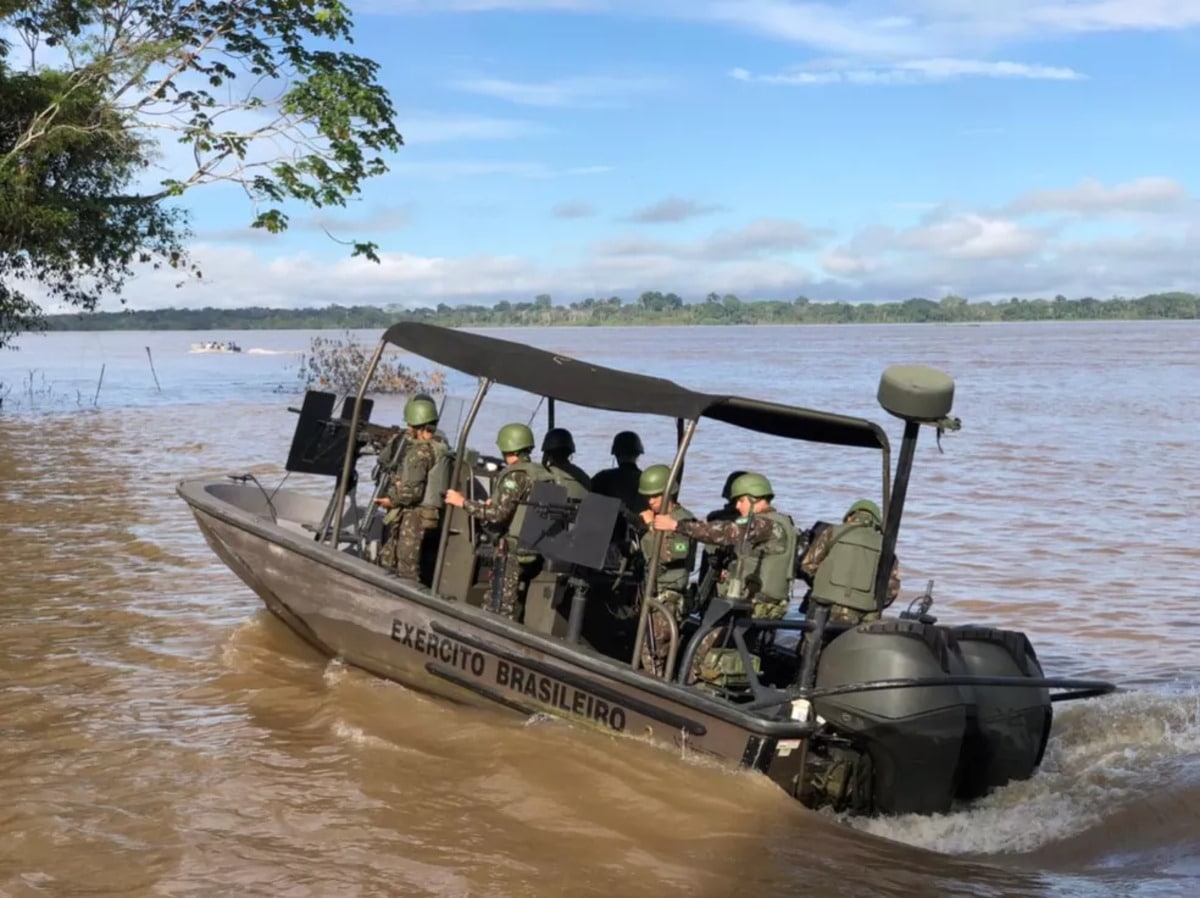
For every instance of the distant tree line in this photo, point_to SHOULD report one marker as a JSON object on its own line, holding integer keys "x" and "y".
{"x": 651, "y": 308}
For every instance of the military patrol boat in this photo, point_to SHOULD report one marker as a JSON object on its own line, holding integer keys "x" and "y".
{"x": 896, "y": 715}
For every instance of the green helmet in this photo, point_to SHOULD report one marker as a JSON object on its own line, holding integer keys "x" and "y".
{"x": 654, "y": 480}
{"x": 420, "y": 411}
{"x": 733, "y": 475}
{"x": 753, "y": 485}
{"x": 626, "y": 443}
{"x": 514, "y": 439}
{"x": 869, "y": 507}
{"x": 558, "y": 439}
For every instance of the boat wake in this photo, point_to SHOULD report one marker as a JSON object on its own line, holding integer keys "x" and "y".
{"x": 258, "y": 351}
{"x": 1120, "y": 775}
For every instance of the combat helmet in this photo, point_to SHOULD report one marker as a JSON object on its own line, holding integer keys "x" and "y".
{"x": 558, "y": 440}
{"x": 420, "y": 411}
{"x": 654, "y": 480}
{"x": 626, "y": 443}
{"x": 869, "y": 507}
{"x": 514, "y": 439}
{"x": 733, "y": 475}
{"x": 751, "y": 484}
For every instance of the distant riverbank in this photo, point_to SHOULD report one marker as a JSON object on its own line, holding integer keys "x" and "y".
{"x": 649, "y": 309}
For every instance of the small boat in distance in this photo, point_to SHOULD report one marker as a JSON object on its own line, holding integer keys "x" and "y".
{"x": 216, "y": 346}
{"x": 891, "y": 716}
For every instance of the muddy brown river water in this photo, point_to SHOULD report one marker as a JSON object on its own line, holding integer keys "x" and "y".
{"x": 162, "y": 735}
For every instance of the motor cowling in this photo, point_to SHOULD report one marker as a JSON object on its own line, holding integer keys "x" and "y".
{"x": 1006, "y": 737}
{"x": 913, "y": 736}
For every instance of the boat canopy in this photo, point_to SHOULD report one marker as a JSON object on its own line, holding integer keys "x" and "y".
{"x": 582, "y": 383}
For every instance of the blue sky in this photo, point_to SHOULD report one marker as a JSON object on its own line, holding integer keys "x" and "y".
{"x": 869, "y": 150}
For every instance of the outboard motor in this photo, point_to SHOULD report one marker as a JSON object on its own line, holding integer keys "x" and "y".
{"x": 913, "y": 736}
{"x": 1007, "y": 736}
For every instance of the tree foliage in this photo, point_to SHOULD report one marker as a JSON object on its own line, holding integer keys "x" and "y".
{"x": 727, "y": 309}
{"x": 337, "y": 366}
{"x": 256, "y": 93}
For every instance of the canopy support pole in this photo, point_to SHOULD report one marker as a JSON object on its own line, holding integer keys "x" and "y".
{"x": 651, "y": 584}
{"x": 351, "y": 437}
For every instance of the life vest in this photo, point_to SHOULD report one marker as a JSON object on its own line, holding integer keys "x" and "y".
{"x": 677, "y": 556}
{"x": 437, "y": 480}
{"x": 568, "y": 477}
{"x": 846, "y": 575}
{"x": 772, "y": 563}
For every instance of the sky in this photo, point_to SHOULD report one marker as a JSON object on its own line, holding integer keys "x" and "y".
{"x": 868, "y": 150}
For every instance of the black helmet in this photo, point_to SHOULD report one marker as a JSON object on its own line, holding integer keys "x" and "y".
{"x": 558, "y": 439}
{"x": 733, "y": 475}
{"x": 626, "y": 443}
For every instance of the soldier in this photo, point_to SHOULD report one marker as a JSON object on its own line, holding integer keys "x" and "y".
{"x": 557, "y": 448}
{"x": 715, "y": 560}
{"x": 623, "y": 482}
{"x": 513, "y": 486}
{"x": 413, "y": 500}
{"x": 676, "y": 555}
{"x": 764, "y": 544}
{"x": 843, "y": 561}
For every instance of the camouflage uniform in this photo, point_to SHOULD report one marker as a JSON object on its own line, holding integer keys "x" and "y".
{"x": 731, "y": 533}
{"x": 718, "y": 557}
{"x": 407, "y": 521}
{"x": 513, "y": 488}
{"x": 675, "y": 557}
{"x": 816, "y": 553}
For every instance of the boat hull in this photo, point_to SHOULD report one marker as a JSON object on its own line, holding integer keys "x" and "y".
{"x": 351, "y": 610}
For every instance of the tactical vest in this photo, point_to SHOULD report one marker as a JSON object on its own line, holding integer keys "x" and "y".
{"x": 846, "y": 575}
{"x": 536, "y": 474}
{"x": 438, "y": 478}
{"x": 566, "y": 479}
{"x": 672, "y": 573}
{"x": 772, "y": 563}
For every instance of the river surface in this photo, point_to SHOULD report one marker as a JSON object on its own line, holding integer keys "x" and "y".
{"x": 162, "y": 735}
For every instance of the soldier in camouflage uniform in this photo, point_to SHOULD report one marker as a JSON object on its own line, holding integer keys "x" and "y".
{"x": 513, "y": 486}
{"x": 413, "y": 498}
{"x": 715, "y": 560}
{"x": 764, "y": 543}
{"x": 676, "y": 555}
{"x": 859, "y": 538}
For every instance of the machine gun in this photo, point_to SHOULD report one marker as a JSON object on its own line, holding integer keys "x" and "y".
{"x": 573, "y": 538}
{"x": 319, "y": 442}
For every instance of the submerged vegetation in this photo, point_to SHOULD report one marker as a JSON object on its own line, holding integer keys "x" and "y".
{"x": 649, "y": 308}
{"x": 338, "y": 365}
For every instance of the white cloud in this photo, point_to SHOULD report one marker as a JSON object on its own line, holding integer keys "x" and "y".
{"x": 971, "y": 236}
{"x": 869, "y": 29}
{"x": 1092, "y": 197}
{"x": 978, "y": 253}
{"x": 764, "y": 237}
{"x": 840, "y": 262}
{"x": 913, "y": 71}
{"x": 670, "y": 210}
{"x": 593, "y": 91}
